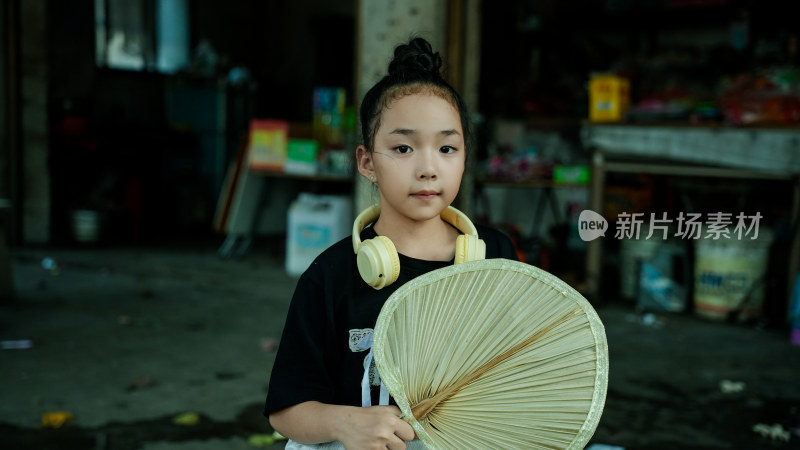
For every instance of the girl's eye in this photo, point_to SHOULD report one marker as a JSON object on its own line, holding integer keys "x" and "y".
{"x": 447, "y": 149}
{"x": 402, "y": 149}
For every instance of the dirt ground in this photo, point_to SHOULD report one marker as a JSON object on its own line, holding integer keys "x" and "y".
{"x": 170, "y": 347}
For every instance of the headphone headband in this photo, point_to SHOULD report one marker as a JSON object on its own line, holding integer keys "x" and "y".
{"x": 450, "y": 215}
{"x": 377, "y": 259}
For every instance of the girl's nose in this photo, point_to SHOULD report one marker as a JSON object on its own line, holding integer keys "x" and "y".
{"x": 426, "y": 167}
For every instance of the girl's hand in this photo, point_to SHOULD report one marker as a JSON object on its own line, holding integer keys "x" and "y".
{"x": 374, "y": 427}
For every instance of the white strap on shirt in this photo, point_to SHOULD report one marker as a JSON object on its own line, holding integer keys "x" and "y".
{"x": 366, "y": 398}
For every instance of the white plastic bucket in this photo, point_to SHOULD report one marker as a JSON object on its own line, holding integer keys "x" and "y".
{"x": 88, "y": 226}
{"x": 729, "y": 276}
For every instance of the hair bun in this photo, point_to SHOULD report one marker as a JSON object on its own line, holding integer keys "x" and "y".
{"x": 416, "y": 56}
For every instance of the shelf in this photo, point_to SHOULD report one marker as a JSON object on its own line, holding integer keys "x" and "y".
{"x": 333, "y": 177}
{"x": 756, "y": 150}
{"x": 528, "y": 183}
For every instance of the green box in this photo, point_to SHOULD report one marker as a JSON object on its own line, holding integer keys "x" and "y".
{"x": 302, "y": 156}
{"x": 571, "y": 174}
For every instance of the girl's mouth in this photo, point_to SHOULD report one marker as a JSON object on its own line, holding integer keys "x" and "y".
{"x": 425, "y": 195}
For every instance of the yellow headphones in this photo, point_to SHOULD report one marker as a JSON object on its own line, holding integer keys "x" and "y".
{"x": 377, "y": 258}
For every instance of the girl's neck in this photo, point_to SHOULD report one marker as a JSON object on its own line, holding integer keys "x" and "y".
{"x": 431, "y": 240}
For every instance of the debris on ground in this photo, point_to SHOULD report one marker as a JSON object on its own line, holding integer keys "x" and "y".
{"x": 774, "y": 432}
{"x": 265, "y": 440}
{"x": 56, "y": 419}
{"x": 604, "y": 447}
{"x": 731, "y": 387}
{"x": 647, "y": 319}
{"x": 186, "y": 419}
{"x": 51, "y": 265}
{"x": 268, "y": 344}
{"x": 261, "y": 440}
{"x": 16, "y": 344}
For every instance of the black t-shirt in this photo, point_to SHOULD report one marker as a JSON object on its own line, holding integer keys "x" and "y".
{"x": 328, "y": 330}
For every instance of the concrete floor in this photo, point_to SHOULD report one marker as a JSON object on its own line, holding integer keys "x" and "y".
{"x": 127, "y": 339}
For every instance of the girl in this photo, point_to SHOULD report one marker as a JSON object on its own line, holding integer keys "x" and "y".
{"x": 415, "y": 131}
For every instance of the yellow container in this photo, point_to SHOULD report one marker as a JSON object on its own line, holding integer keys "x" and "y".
{"x": 609, "y": 98}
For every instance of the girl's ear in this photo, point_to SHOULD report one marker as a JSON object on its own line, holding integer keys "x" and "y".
{"x": 364, "y": 161}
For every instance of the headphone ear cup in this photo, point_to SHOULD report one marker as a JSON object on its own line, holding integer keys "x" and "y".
{"x": 378, "y": 262}
{"x": 469, "y": 248}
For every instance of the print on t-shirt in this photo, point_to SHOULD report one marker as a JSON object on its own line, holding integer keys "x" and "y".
{"x": 361, "y": 341}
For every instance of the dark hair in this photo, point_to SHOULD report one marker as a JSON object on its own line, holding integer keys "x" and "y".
{"x": 414, "y": 69}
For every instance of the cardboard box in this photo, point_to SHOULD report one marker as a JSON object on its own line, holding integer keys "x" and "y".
{"x": 314, "y": 223}
{"x": 267, "y": 144}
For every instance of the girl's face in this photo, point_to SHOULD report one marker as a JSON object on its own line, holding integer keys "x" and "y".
{"x": 418, "y": 157}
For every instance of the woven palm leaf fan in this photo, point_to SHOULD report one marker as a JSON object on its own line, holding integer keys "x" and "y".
{"x": 493, "y": 354}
